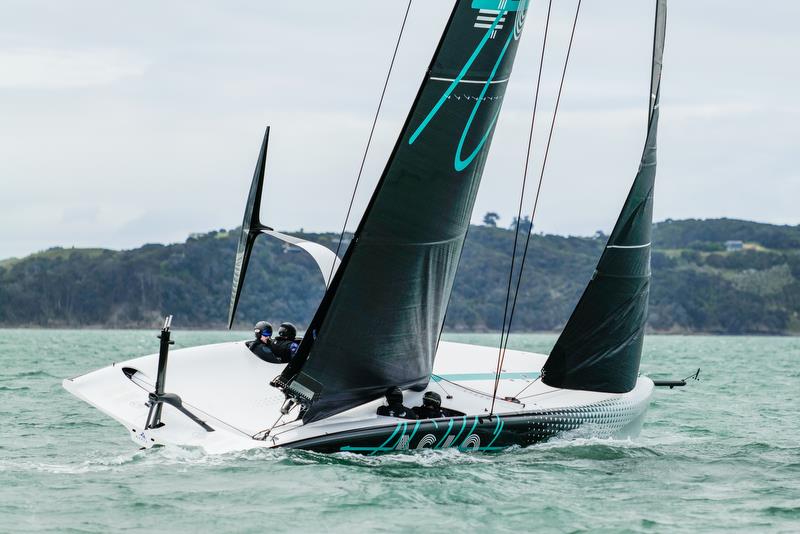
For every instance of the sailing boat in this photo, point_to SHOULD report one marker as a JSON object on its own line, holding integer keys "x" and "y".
{"x": 395, "y": 280}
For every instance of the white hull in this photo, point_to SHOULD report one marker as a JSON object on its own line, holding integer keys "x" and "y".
{"x": 227, "y": 387}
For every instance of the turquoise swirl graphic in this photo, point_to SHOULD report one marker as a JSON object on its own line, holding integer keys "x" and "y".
{"x": 460, "y": 163}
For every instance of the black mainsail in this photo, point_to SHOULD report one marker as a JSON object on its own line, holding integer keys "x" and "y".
{"x": 379, "y": 322}
{"x": 601, "y": 345}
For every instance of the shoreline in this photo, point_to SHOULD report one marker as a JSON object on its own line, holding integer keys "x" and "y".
{"x": 665, "y": 333}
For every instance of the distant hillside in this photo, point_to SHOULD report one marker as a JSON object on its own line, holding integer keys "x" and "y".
{"x": 702, "y": 233}
{"x": 698, "y": 286}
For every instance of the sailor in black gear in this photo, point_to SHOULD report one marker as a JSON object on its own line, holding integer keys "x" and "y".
{"x": 395, "y": 408}
{"x": 431, "y": 406}
{"x": 263, "y": 345}
{"x": 285, "y": 345}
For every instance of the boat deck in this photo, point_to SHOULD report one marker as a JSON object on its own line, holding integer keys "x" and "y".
{"x": 226, "y": 386}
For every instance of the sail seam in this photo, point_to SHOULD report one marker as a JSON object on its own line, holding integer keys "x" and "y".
{"x": 630, "y": 246}
{"x": 413, "y": 243}
{"x": 623, "y": 276}
{"x": 482, "y": 82}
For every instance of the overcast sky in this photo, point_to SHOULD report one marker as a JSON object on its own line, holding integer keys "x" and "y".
{"x": 124, "y": 123}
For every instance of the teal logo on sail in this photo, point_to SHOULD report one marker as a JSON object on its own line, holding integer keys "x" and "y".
{"x": 498, "y": 8}
{"x": 498, "y": 5}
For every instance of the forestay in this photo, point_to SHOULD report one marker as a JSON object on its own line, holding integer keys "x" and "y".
{"x": 379, "y": 322}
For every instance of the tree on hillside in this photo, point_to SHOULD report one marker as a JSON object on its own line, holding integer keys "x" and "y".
{"x": 490, "y": 219}
{"x": 525, "y": 225}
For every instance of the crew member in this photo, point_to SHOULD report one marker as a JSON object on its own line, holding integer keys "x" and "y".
{"x": 431, "y": 406}
{"x": 284, "y": 346}
{"x": 395, "y": 408}
{"x": 264, "y": 346}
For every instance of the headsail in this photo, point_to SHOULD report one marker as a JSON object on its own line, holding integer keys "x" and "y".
{"x": 601, "y": 345}
{"x": 380, "y": 320}
{"x": 252, "y": 227}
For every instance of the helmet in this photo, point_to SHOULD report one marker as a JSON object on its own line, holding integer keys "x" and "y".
{"x": 263, "y": 328}
{"x": 431, "y": 398}
{"x": 287, "y": 330}
{"x": 394, "y": 395}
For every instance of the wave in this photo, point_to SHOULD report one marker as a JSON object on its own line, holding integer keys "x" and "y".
{"x": 33, "y": 373}
{"x": 791, "y": 512}
{"x": 14, "y": 388}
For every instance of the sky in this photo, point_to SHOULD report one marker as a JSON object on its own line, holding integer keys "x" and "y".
{"x": 125, "y": 123}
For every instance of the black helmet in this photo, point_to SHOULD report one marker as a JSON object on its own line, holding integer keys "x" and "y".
{"x": 287, "y": 330}
{"x": 431, "y": 398}
{"x": 394, "y": 395}
{"x": 263, "y": 328}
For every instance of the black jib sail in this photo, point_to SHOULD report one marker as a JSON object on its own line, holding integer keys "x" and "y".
{"x": 379, "y": 322}
{"x": 601, "y": 345}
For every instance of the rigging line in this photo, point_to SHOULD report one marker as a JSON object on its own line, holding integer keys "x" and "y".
{"x": 267, "y": 431}
{"x": 533, "y": 395}
{"x": 438, "y": 383}
{"x": 501, "y": 350}
{"x": 369, "y": 139}
{"x": 532, "y": 382}
{"x": 462, "y": 386}
{"x": 541, "y": 174}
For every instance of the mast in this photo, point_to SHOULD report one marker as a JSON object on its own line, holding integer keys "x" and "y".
{"x": 601, "y": 344}
{"x": 379, "y": 322}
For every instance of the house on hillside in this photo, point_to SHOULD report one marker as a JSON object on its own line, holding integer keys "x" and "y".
{"x": 733, "y": 245}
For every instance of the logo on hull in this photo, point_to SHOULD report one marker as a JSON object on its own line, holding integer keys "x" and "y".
{"x": 401, "y": 440}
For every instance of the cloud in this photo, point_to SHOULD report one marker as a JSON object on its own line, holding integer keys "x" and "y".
{"x": 114, "y": 136}
{"x": 44, "y": 68}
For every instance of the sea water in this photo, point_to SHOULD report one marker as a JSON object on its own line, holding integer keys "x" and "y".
{"x": 719, "y": 454}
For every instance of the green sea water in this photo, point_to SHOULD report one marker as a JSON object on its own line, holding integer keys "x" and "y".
{"x": 722, "y": 454}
